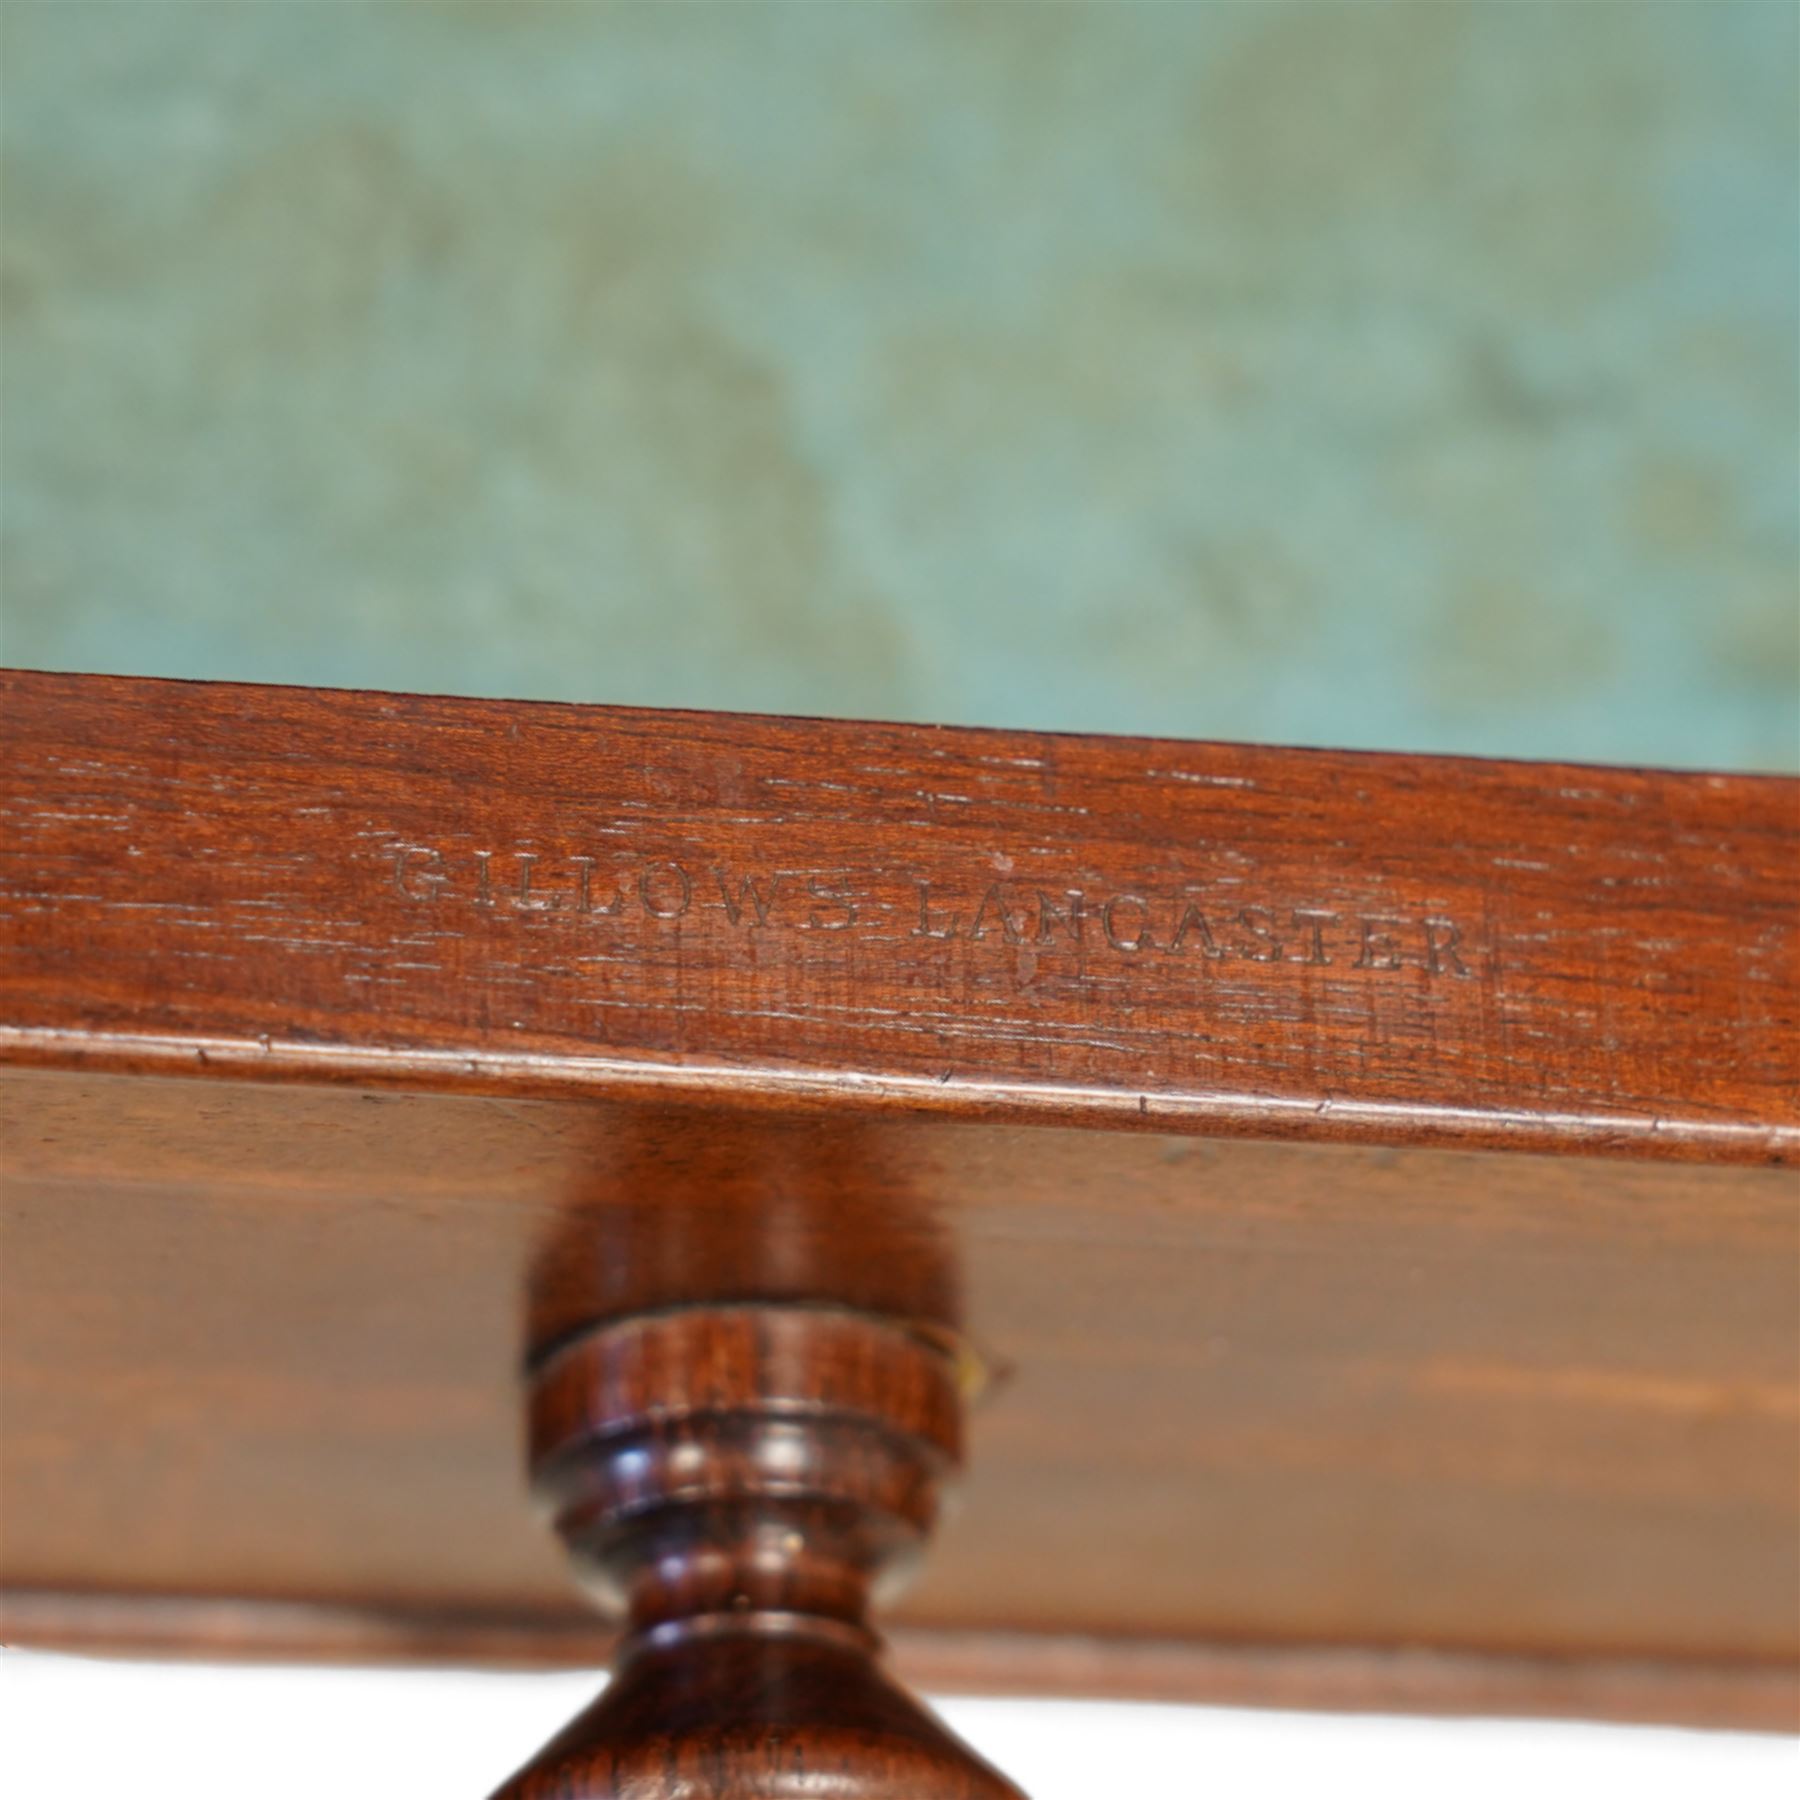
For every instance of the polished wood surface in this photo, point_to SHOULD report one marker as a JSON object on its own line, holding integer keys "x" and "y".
{"x": 291, "y": 884}
{"x": 265, "y": 1342}
{"x": 1423, "y": 1334}
{"x": 736, "y": 1483}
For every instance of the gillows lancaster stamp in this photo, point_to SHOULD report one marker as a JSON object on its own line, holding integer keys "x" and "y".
{"x": 1168, "y": 920}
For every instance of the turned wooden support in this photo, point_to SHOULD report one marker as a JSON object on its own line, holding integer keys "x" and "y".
{"x": 738, "y": 1483}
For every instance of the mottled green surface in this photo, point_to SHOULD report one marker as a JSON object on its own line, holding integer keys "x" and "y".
{"x": 1410, "y": 375}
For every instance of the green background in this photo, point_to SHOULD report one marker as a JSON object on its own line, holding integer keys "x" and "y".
{"x": 1406, "y": 375}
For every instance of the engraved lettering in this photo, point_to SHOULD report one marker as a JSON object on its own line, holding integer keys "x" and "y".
{"x": 1313, "y": 922}
{"x": 984, "y": 915}
{"x": 527, "y": 901}
{"x": 747, "y": 890}
{"x": 1194, "y": 920}
{"x": 836, "y": 901}
{"x": 419, "y": 874}
{"x": 1441, "y": 939}
{"x": 1259, "y": 921}
{"x": 994, "y": 902}
{"x": 1073, "y": 914}
{"x": 647, "y": 890}
{"x": 584, "y": 890}
{"x": 925, "y": 926}
{"x": 1142, "y": 940}
{"x": 1379, "y": 950}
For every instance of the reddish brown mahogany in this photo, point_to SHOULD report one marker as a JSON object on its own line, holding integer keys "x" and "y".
{"x": 735, "y": 1481}
{"x": 480, "y": 896}
{"x": 1371, "y": 1169}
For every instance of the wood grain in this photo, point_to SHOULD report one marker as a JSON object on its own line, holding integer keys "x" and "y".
{"x": 280, "y": 882}
{"x": 738, "y": 1483}
{"x": 266, "y": 1341}
{"x": 1384, "y": 1335}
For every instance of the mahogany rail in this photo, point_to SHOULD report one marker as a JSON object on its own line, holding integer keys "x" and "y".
{"x": 1367, "y": 1179}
